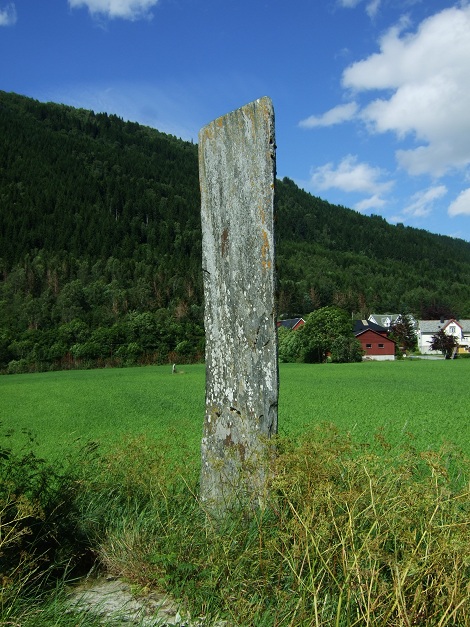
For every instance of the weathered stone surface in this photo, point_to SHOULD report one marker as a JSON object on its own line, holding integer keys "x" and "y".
{"x": 237, "y": 177}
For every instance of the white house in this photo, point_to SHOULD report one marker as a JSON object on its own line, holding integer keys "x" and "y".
{"x": 387, "y": 319}
{"x": 460, "y": 329}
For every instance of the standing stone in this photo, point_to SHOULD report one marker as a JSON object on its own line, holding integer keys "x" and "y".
{"x": 237, "y": 177}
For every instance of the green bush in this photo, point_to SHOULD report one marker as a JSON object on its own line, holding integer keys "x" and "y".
{"x": 185, "y": 348}
{"x": 40, "y": 536}
{"x": 346, "y": 350}
{"x": 18, "y": 366}
{"x": 289, "y": 345}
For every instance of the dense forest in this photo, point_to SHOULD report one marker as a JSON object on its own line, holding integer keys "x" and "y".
{"x": 100, "y": 246}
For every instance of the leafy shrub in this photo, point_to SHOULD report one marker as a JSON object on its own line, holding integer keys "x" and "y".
{"x": 87, "y": 350}
{"x": 39, "y": 531}
{"x": 185, "y": 348}
{"x": 346, "y": 350}
{"x": 18, "y": 366}
{"x": 129, "y": 352}
{"x": 289, "y": 346}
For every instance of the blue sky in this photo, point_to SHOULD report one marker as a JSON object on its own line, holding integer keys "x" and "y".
{"x": 372, "y": 97}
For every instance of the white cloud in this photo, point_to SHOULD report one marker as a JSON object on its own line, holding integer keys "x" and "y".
{"x": 338, "y": 114}
{"x": 422, "y": 203}
{"x": 372, "y": 7}
{"x": 8, "y": 15}
{"x": 374, "y": 202}
{"x": 461, "y": 205}
{"x": 125, "y": 9}
{"x": 428, "y": 73}
{"x": 349, "y": 4}
{"x": 350, "y": 176}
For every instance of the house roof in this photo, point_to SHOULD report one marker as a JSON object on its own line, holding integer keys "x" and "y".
{"x": 384, "y": 319}
{"x": 433, "y": 326}
{"x": 383, "y": 338}
{"x": 360, "y": 326}
{"x": 291, "y": 323}
{"x": 387, "y": 319}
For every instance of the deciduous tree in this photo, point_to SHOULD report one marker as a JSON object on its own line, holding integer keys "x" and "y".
{"x": 321, "y": 329}
{"x": 443, "y": 342}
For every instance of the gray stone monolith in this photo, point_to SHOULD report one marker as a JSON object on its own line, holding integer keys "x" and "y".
{"x": 237, "y": 177}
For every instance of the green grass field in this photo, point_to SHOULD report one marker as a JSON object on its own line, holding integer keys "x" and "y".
{"x": 347, "y": 537}
{"x": 424, "y": 400}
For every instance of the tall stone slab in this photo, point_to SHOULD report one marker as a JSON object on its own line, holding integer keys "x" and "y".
{"x": 237, "y": 177}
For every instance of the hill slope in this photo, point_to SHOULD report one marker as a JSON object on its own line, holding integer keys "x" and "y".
{"x": 100, "y": 245}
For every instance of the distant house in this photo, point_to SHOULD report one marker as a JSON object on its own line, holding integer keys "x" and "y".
{"x": 365, "y": 325}
{"x": 292, "y": 323}
{"x": 387, "y": 319}
{"x": 460, "y": 329}
{"x": 374, "y": 341}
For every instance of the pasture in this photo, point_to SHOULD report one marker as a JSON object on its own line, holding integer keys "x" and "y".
{"x": 422, "y": 402}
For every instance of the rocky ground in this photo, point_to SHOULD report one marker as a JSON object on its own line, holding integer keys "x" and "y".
{"x": 114, "y": 601}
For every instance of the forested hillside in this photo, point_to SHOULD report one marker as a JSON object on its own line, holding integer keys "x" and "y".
{"x": 333, "y": 255}
{"x": 100, "y": 246}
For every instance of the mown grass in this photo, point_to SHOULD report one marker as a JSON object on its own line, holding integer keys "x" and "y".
{"x": 365, "y": 525}
{"x": 422, "y": 400}
{"x": 68, "y": 409}
{"x": 426, "y": 401}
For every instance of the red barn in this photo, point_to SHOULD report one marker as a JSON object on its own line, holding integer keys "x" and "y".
{"x": 292, "y": 323}
{"x": 374, "y": 341}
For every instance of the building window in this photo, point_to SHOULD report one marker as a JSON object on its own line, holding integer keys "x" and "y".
{"x": 381, "y": 346}
{"x": 368, "y": 345}
{"x": 452, "y": 329}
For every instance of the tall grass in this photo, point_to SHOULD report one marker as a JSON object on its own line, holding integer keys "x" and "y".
{"x": 40, "y": 539}
{"x": 348, "y": 537}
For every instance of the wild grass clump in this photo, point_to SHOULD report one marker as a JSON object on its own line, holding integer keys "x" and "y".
{"x": 39, "y": 531}
{"x": 132, "y": 497}
{"x": 348, "y": 537}
{"x": 374, "y": 540}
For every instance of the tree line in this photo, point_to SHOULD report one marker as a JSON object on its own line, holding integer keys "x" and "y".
{"x": 100, "y": 246}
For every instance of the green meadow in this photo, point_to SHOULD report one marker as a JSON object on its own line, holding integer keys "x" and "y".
{"x": 366, "y": 523}
{"x": 423, "y": 402}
